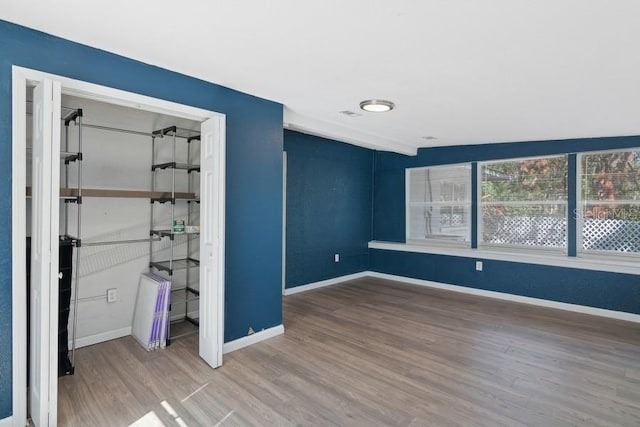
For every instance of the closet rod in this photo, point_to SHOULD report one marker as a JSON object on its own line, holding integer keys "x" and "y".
{"x": 133, "y": 132}
{"x": 112, "y": 129}
{"x": 120, "y": 242}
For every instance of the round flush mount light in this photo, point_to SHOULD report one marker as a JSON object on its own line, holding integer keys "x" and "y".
{"x": 377, "y": 105}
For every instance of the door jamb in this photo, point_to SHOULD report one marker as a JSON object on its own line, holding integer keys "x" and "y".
{"x": 18, "y": 249}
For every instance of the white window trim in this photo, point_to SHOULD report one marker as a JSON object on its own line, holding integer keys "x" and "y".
{"x": 479, "y": 216}
{"x": 497, "y": 247}
{"x": 522, "y": 159}
{"x": 407, "y": 213}
{"x": 439, "y": 243}
{"x": 508, "y": 247}
{"x": 577, "y": 213}
{"x": 407, "y": 201}
{"x": 596, "y": 255}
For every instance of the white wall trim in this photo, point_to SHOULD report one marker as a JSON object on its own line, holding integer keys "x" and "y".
{"x": 310, "y": 126}
{"x": 18, "y": 249}
{"x": 101, "y": 337}
{"x": 6, "y": 422}
{"x": 584, "y": 262}
{"x": 253, "y": 339}
{"x": 228, "y": 347}
{"x": 120, "y": 97}
{"x": 619, "y": 315}
{"x": 323, "y": 283}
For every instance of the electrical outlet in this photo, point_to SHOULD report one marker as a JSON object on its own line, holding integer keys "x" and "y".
{"x": 478, "y": 265}
{"x": 112, "y": 295}
{"x": 336, "y": 258}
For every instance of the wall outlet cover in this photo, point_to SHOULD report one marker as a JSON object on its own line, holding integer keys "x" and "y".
{"x": 112, "y": 295}
{"x": 478, "y": 265}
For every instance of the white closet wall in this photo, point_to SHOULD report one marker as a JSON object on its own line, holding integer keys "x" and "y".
{"x": 115, "y": 160}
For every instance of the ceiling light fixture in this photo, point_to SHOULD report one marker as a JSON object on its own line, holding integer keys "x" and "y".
{"x": 377, "y": 105}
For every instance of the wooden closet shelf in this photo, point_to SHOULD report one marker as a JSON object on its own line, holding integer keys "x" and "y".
{"x": 137, "y": 194}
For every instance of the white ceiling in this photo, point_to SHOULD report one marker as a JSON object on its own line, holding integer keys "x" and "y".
{"x": 463, "y": 71}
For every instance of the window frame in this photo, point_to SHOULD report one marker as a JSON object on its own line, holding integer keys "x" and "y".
{"x": 468, "y": 206}
{"x": 540, "y": 250}
{"x": 579, "y": 214}
{"x": 598, "y": 257}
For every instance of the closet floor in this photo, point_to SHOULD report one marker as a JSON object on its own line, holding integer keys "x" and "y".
{"x": 375, "y": 352}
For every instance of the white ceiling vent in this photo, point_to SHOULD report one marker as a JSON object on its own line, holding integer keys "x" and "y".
{"x": 350, "y": 113}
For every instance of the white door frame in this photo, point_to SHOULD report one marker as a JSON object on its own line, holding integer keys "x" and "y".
{"x": 43, "y": 390}
{"x": 21, "y": 77}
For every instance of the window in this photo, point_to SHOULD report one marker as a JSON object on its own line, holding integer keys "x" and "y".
{"x": 610, "y": 201}
{"x": 524, "y": 203}
{"x": 439, "y": 203}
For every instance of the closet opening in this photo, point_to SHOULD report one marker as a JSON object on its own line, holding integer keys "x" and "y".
{"x": 133, "y": 182}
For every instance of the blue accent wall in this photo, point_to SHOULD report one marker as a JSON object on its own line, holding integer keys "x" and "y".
{"x": 254, "y": 173}
{"x": 585, "y": 287}
{"x": 389, "y": 204}
{"x": 329, "y": 188}
{"x": 611, "y": 291}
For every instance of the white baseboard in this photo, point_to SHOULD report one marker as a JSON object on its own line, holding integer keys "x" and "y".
{"x": 323, "y": 283}
{"x": 101, "y": 337}
{"x": 118, "y": 333}
{"x": 228, "y": 347}
{"x": 6, "y": 422}
{"x": 252, "y": 339}
{"x": 619, "y": 315}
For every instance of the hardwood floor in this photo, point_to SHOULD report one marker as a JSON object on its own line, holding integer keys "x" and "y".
{"x": 374, "y": 352}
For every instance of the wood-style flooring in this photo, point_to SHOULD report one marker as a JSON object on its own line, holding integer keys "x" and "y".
{"x": 372, "y": 352}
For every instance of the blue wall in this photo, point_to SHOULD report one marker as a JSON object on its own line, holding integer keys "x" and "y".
{"x": 329, "y": 188}
{"x": 592, "y": 288}
{"x": 612, "y": 291}
{"x": 254, "y": 173}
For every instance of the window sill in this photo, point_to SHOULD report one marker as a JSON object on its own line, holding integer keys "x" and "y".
{"x": 582, "y": 261}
